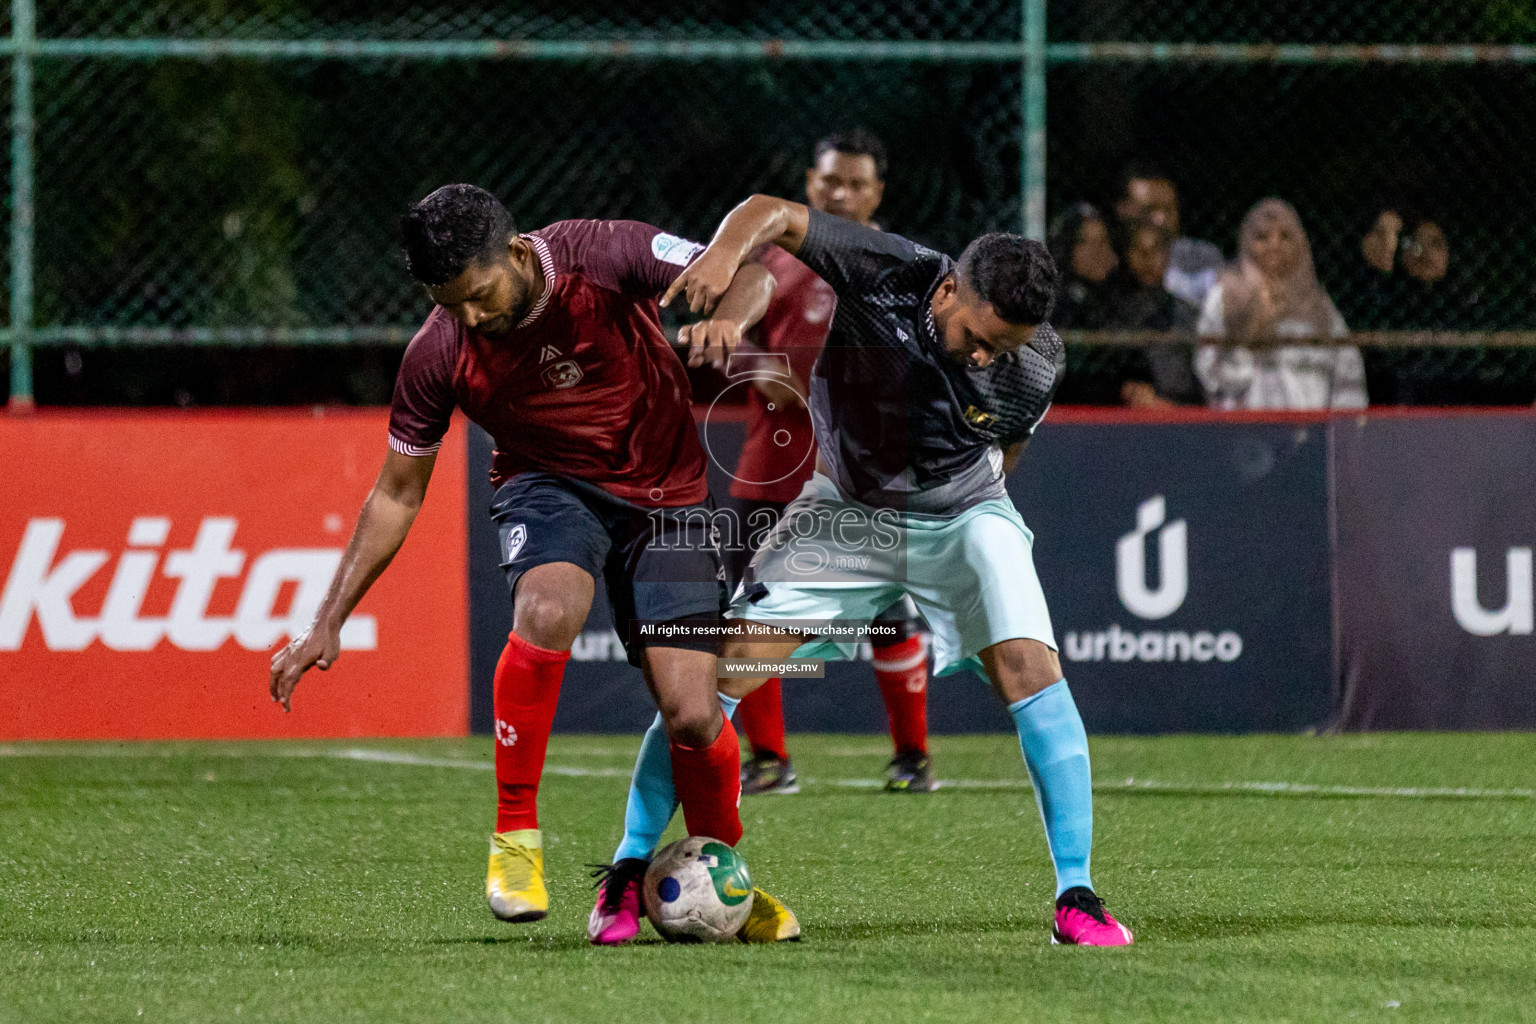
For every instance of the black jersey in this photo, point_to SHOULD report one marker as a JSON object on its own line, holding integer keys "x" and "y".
{"x": 899, "y": 422}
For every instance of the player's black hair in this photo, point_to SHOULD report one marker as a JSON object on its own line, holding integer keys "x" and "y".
{"x": 1014, "y": 273}
{"x": 452, "y": 228}
{"x": 1141, "y": 170}
{"x": 855, "y": 142}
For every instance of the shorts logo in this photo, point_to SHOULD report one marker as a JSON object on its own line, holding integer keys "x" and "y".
{"x": 562, "y": 375}
{"x": 515, "y": 539}
{"x": 674, "y": 250}
{"x": 505, "y": 734}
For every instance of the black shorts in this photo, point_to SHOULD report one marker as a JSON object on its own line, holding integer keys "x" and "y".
{"x": 659, "y": 564}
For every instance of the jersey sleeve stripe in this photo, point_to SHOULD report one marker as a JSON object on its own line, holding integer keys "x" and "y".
{"x": 406, "y": 448}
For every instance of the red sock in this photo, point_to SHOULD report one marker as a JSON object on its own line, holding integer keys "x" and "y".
{"x": 761, "y": 716}
{"x": 902, "y": 672}
{"x": 527, "y": 689}
{"x": 708, "y": 785}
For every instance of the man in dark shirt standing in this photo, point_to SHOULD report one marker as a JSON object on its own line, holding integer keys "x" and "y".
{"x": 551, "y": 341}
{"x": 846, "y": 179}
{"x": 935, "y": 375}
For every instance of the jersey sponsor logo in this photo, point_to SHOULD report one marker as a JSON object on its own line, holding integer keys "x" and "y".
{"x": 42, "y": 585}
{"x": 1517, "y": 617}
{"x": 976, "y": 418}
{"x": 564, "y": 374}
{"x": 547, "y": 353}
{"x": 674, "y": 250}
{"x": 516, "y": 537}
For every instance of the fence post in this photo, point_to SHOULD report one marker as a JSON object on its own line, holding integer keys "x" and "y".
{"x": 23, "y": 38}
{"x": 1034, "y": 119}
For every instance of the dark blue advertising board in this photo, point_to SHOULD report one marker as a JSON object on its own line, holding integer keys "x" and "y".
{"x": 1187, "y": 570}
{"x": 1436, "y": 525}
{"x": 1186, "y": 567}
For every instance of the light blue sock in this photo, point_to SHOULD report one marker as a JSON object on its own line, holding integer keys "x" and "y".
{"x": 1056, "y": 754}
{"x": 652, "y": 801}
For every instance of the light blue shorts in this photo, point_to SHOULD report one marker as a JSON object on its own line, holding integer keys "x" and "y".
{"x": 831, "y": 559}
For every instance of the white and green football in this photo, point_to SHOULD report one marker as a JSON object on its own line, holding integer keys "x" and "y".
{"x": 698, "y": 890}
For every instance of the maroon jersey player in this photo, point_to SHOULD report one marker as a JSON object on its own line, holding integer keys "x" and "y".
{"x": 846, "y": 179}
{"x": 551, "y": 341}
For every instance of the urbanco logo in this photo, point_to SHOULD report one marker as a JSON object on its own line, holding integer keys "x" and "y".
{"x": 1172, "y": 563}
{"x": 43, "y": 585}
{"x": 1518, "y": 613}
{"x": 1159, "y": 602}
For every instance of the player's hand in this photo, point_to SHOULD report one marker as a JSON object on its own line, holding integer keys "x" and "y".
{"x": 316, "y": 646}
{"x": 710, "y": 341}
{"x": 703, "y": 282}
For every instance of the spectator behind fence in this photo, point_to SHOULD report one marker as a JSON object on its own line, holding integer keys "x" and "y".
{"x": 1273, "y": 293}
{"x": 1148, "y": 194}
{"x": 1085, "y": 258}
{"x": 1141, "y": 302}
{"x": 1406, "y": 281}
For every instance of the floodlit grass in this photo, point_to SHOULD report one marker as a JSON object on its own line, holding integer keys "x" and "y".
{"x": 255, "y": 882}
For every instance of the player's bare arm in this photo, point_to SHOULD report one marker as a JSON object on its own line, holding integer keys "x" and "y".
{"x": 386, "y": 518}
{"x": 740, "y": 306}
{"x": 1012, "y": 454}
{"x": 751, "y": 225}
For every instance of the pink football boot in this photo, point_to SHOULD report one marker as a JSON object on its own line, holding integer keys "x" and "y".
{"x": 616, "y": 917}
{"x": 1081, "y": 920}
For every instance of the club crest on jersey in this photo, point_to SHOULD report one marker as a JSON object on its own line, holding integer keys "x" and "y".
{"x": 976, "y": 418}
{"x": 564, "y": 374}
{"x": 674, "y": 250}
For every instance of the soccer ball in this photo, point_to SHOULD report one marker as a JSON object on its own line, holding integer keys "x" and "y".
{"x": 698, "y": 890}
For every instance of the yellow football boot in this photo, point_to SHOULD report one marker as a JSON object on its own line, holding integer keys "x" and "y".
{"x": 770, "y": 921}
{"x": 514, "y": 882}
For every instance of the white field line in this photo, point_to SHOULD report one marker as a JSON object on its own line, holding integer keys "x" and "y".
{"x": 1129, "y": 785}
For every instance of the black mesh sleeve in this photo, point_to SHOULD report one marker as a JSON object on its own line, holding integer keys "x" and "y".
{"x": 851, "y": 257}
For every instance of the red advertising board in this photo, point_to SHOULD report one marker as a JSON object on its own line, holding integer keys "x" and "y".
{"x": 154, "y": 561}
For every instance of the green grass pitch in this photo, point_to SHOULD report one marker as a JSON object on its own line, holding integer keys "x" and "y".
{"x": 301, "y": 882}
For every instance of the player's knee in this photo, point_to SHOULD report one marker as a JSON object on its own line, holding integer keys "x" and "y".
{"x": 693, "y": 724}
{"x": 1020, "y": 668}
{"x": 547, "y": 620}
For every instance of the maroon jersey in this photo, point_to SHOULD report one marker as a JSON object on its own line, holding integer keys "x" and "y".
{"x": 584, "y": 386}
{"x": 774, "y": 462}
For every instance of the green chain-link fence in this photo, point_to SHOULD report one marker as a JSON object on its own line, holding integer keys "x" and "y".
{"x": 186, "y": 175}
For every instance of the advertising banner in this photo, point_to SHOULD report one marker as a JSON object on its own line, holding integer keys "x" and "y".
{"x": 1436, "y": 525}
{"x": 154, "y": 561}
{"x": 1186, "y": 566}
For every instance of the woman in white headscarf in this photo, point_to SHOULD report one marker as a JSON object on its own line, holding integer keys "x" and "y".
{"x": 1272, "y": 293}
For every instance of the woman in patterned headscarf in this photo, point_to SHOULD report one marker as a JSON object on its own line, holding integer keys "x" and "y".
{"x": 1272, "y": 293}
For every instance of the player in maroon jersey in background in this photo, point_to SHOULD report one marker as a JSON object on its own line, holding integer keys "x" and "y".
{"x": 846, "y": 179}
{"x": 551, "y": 341}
